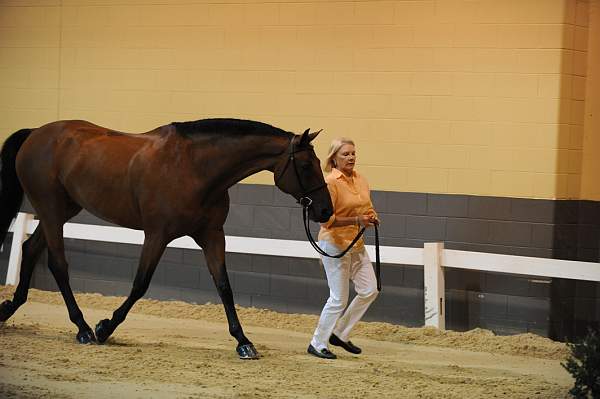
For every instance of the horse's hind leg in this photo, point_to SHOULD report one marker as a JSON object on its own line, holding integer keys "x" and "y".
{"x": 213, "y": 244}
{"x": 152, "y": 250}
{"x": 60, "y": 270}
{"x": 32, "y": 249}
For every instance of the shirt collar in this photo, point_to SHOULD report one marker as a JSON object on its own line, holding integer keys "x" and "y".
{"x": 337, "y": 174}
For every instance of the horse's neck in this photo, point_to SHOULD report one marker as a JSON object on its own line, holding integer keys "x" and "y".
{"x": 243, "y": 156}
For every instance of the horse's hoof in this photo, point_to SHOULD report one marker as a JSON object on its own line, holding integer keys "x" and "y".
{"x": 6, "y": 310}
{"x": 86, "y": 337}
{"x": 103, "y": 330}
{"x": 247, "y": 351}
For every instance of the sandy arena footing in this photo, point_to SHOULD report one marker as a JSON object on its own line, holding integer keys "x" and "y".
{"x": 179, "y": 350}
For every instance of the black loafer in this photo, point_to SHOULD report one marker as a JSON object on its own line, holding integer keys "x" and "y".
{"x": 349, "y": 346}
{"x": 323, "y": 354}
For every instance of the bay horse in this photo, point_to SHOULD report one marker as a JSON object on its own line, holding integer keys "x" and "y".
{"x": 169, "y": 182}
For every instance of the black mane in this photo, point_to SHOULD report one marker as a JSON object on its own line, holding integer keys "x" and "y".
{"x": 229, "y": 126}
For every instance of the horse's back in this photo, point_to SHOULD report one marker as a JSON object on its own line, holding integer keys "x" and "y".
{"x": 80, "y": 129}
{"x": 63, "y": 145}
{"x": 90, "y": 163}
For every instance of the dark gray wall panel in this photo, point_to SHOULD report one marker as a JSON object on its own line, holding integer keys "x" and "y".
{"x": 425, "y": 227}
{"x": 443, "y": 205}
{"x": 406, "y": 203}
{"x": 492, "y": 208}
{"x": 468, "y": 230}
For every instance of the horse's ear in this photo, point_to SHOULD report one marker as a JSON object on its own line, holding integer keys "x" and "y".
{"x": 312, "y": 136}
{"x": 304, "y": 140}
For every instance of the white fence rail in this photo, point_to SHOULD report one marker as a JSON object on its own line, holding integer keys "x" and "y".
{"x": 433, "y": 257}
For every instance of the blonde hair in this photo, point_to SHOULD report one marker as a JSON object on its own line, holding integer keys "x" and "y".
{"x": 335, "y": 146}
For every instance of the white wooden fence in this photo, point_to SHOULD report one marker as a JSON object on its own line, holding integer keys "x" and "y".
{"x": 433, "y": 257}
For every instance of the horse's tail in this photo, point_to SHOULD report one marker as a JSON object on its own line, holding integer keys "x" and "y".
{"x": 11, "y": 192}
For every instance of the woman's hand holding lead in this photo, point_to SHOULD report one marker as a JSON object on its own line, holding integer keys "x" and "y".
{"x": 367, "y": 220}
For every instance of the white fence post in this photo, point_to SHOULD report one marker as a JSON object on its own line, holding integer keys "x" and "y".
{"x": 19, "y": 235}
{"x": 434, "y": 285}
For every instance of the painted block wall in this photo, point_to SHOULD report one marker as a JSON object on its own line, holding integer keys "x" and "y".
{"x": 448, "y": 96}
{"x": 591, "y": 139}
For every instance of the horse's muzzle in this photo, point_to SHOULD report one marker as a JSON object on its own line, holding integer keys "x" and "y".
{"x": 320, "y": 217}
{"x": 325, "y": 215}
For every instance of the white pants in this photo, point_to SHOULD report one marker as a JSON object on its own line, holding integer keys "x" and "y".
{"x": 355, "y": 266}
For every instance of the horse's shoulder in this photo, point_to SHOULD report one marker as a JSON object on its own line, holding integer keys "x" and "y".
{"x": 165, "y": 131}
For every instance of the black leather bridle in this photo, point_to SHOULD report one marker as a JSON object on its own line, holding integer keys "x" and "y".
{"x": 305, "y": 201}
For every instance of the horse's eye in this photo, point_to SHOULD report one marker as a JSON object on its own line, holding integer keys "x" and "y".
{"x": 306, "y": 167}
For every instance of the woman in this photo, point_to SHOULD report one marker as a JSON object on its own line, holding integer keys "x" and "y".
{"x": 353, "y": 209}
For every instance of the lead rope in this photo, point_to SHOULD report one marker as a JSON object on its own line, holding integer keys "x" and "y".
{"x": 360, "y": 233}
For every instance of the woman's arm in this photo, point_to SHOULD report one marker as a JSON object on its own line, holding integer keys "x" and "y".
{"x": 361, "y": 220}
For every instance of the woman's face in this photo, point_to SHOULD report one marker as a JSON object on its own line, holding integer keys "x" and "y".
{"x": 345, "y": 159}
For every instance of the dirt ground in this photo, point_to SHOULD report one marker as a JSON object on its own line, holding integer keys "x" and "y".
{"x": 180, "y": 350}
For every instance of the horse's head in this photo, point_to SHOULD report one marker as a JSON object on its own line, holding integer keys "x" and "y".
{"x": 299, "y": 174}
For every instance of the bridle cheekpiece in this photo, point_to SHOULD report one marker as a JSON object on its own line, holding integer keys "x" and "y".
{"x": 304, "y": 199}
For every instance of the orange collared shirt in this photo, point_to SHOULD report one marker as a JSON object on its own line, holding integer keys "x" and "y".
{"x": 350, "y": 197}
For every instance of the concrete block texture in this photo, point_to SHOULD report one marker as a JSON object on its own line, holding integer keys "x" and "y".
{"x": 375, "y": 71}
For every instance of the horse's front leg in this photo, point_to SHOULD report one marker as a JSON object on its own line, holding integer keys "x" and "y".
{"x": 152, "y": 250}
{"x": 213, "y": 244}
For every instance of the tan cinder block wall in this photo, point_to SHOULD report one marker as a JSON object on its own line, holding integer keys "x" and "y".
{"x": 447, "y": 96}
{"x": 29, "y": 64}
{"x": 590, "y": 181}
